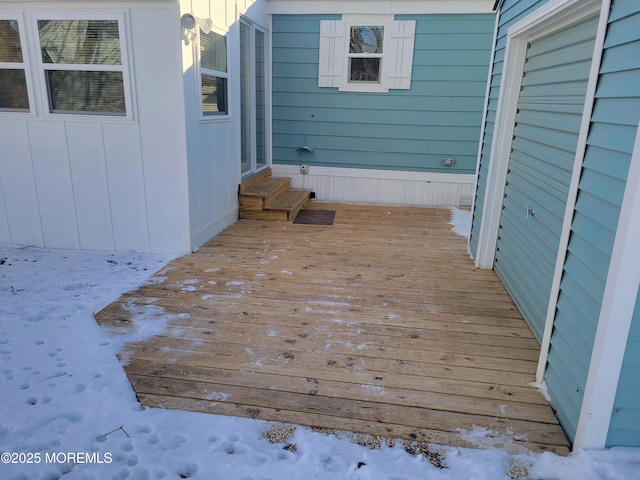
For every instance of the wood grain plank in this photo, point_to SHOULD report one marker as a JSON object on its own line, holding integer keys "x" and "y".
{"x": 378, "y": 324}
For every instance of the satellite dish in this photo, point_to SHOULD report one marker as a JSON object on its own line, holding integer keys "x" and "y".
{"x": 188, "y": 21}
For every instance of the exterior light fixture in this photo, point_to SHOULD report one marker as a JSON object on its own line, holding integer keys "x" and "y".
{"x": 191, "y": 23}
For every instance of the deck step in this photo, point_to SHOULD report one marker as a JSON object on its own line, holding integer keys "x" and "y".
{"x": 269, "y": 198}
{"x": 257, "y": 196}
{"x": 253, "y": 180}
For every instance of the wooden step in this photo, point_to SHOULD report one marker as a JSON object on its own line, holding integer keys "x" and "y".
{"x": 259, "y": 194}
{"x": 289, "y": 202}
{"x": 285, "y": 206}
{"x": 255, "y": 179}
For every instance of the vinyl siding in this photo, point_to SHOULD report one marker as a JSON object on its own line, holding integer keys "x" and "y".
{"x": 512, "y": 11}
{"x": 610, "y": 142}
{"x": 405, "y": 130}
{"x": 625, "y": 421}
{"x": 609, "y": 147}
{"x": 545, "y": 137}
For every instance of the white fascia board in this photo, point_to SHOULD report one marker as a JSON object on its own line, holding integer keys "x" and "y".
{"x": 618, "y": 304}
{"x": 92, "y": 3}
{"x": 379, "y": 6}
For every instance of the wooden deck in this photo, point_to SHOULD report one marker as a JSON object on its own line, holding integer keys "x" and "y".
{"x": 378, "y": 324}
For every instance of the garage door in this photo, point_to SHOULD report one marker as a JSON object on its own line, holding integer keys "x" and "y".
{"x": 545, "y": 138}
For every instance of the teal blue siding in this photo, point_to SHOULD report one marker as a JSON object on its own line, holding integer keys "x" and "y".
{"x": 512, "y": 11}
{"x": 614, "y": 123}
{"x": 623, "y": 55}
{"x": 410, "y": 130}
{"x": 550, "y": 105}
{"x": 609, "y": 147}
{"x": 625, "y": 421}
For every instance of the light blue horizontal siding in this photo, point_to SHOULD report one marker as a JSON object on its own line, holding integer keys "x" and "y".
{"x": 410, "y": 130}
{"x": 625, "y": 421}
{"x": 623, "y": 110}
{"x": 609, "y": 146}
{"x": 511, "y": 12}
{"x": 614, "y": 122}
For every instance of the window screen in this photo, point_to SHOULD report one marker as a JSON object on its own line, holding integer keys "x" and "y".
{"x": 213, "y": 73}
{"x": 83, "y": 66}
{"x": 13, "y": 82}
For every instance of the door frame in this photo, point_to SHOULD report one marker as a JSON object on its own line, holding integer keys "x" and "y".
{"x": 549, "y": 18}
{"x": 251, "y": 96}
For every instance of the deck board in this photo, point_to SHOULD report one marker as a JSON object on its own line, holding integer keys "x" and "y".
{"x": 377, "y": 324}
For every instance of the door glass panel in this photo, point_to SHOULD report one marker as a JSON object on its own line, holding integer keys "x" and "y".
{"x": 245, "y": 117}
{"x": 261, "y": 117}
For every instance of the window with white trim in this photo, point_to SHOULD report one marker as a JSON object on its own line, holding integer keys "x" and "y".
{"x": 214, "y": 74}
{"x": 82, "y": 65}
{"x": 14, "y": 96}
{"x": 366, "y": 53}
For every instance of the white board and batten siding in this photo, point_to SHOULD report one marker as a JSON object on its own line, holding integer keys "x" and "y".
{"x": 385, "y": 187}
{"x": 213, "y": 142}
{"x": 102, "y": 183}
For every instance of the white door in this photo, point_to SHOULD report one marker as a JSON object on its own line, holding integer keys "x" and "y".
{"x": 253, "y": 98}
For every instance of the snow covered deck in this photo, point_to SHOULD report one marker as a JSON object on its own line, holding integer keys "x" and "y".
{"x": 377, "y": 324}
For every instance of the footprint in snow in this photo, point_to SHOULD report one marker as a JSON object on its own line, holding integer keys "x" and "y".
{"x": 143, "y": 429}
{"x": 187, "y": 469}
{"x": 126, "y": 446}
{"x": 179, "y": 440}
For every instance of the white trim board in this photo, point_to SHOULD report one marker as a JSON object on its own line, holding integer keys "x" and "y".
{"x": 381, "y": 186}
{"x": 378, "y": 6}
{"x": 485, "y": 113}
{"x": 618, "y": 303}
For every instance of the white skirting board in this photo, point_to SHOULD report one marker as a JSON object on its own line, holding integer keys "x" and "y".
{"x": 381, "y": 186}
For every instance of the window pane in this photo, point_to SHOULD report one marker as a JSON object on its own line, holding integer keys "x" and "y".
{"x": 95, "y": 92}
{"x": 10, "y": 50}
{"x": 13, "y": 90}
{"x": 364, "y": 70}
{"x": 213, "y": 51}
{"x": 214, "y": 95}
{"x": 85, "y": 42}
{"x": 366, "y": 40}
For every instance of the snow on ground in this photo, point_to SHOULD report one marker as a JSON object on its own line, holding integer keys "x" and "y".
{"x": 67, "y": 410}
{"x": 461, "y": 222}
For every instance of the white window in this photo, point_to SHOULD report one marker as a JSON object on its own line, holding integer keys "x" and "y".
{"x": 214, "y": 74}
{"x": 83, "y": 67}
{"x": 366, "y": 44}
{"x": 366, "y": 53}
{"x": 14, "y": 96}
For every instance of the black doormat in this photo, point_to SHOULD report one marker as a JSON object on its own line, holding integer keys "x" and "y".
{"x": 315, "y": 217}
